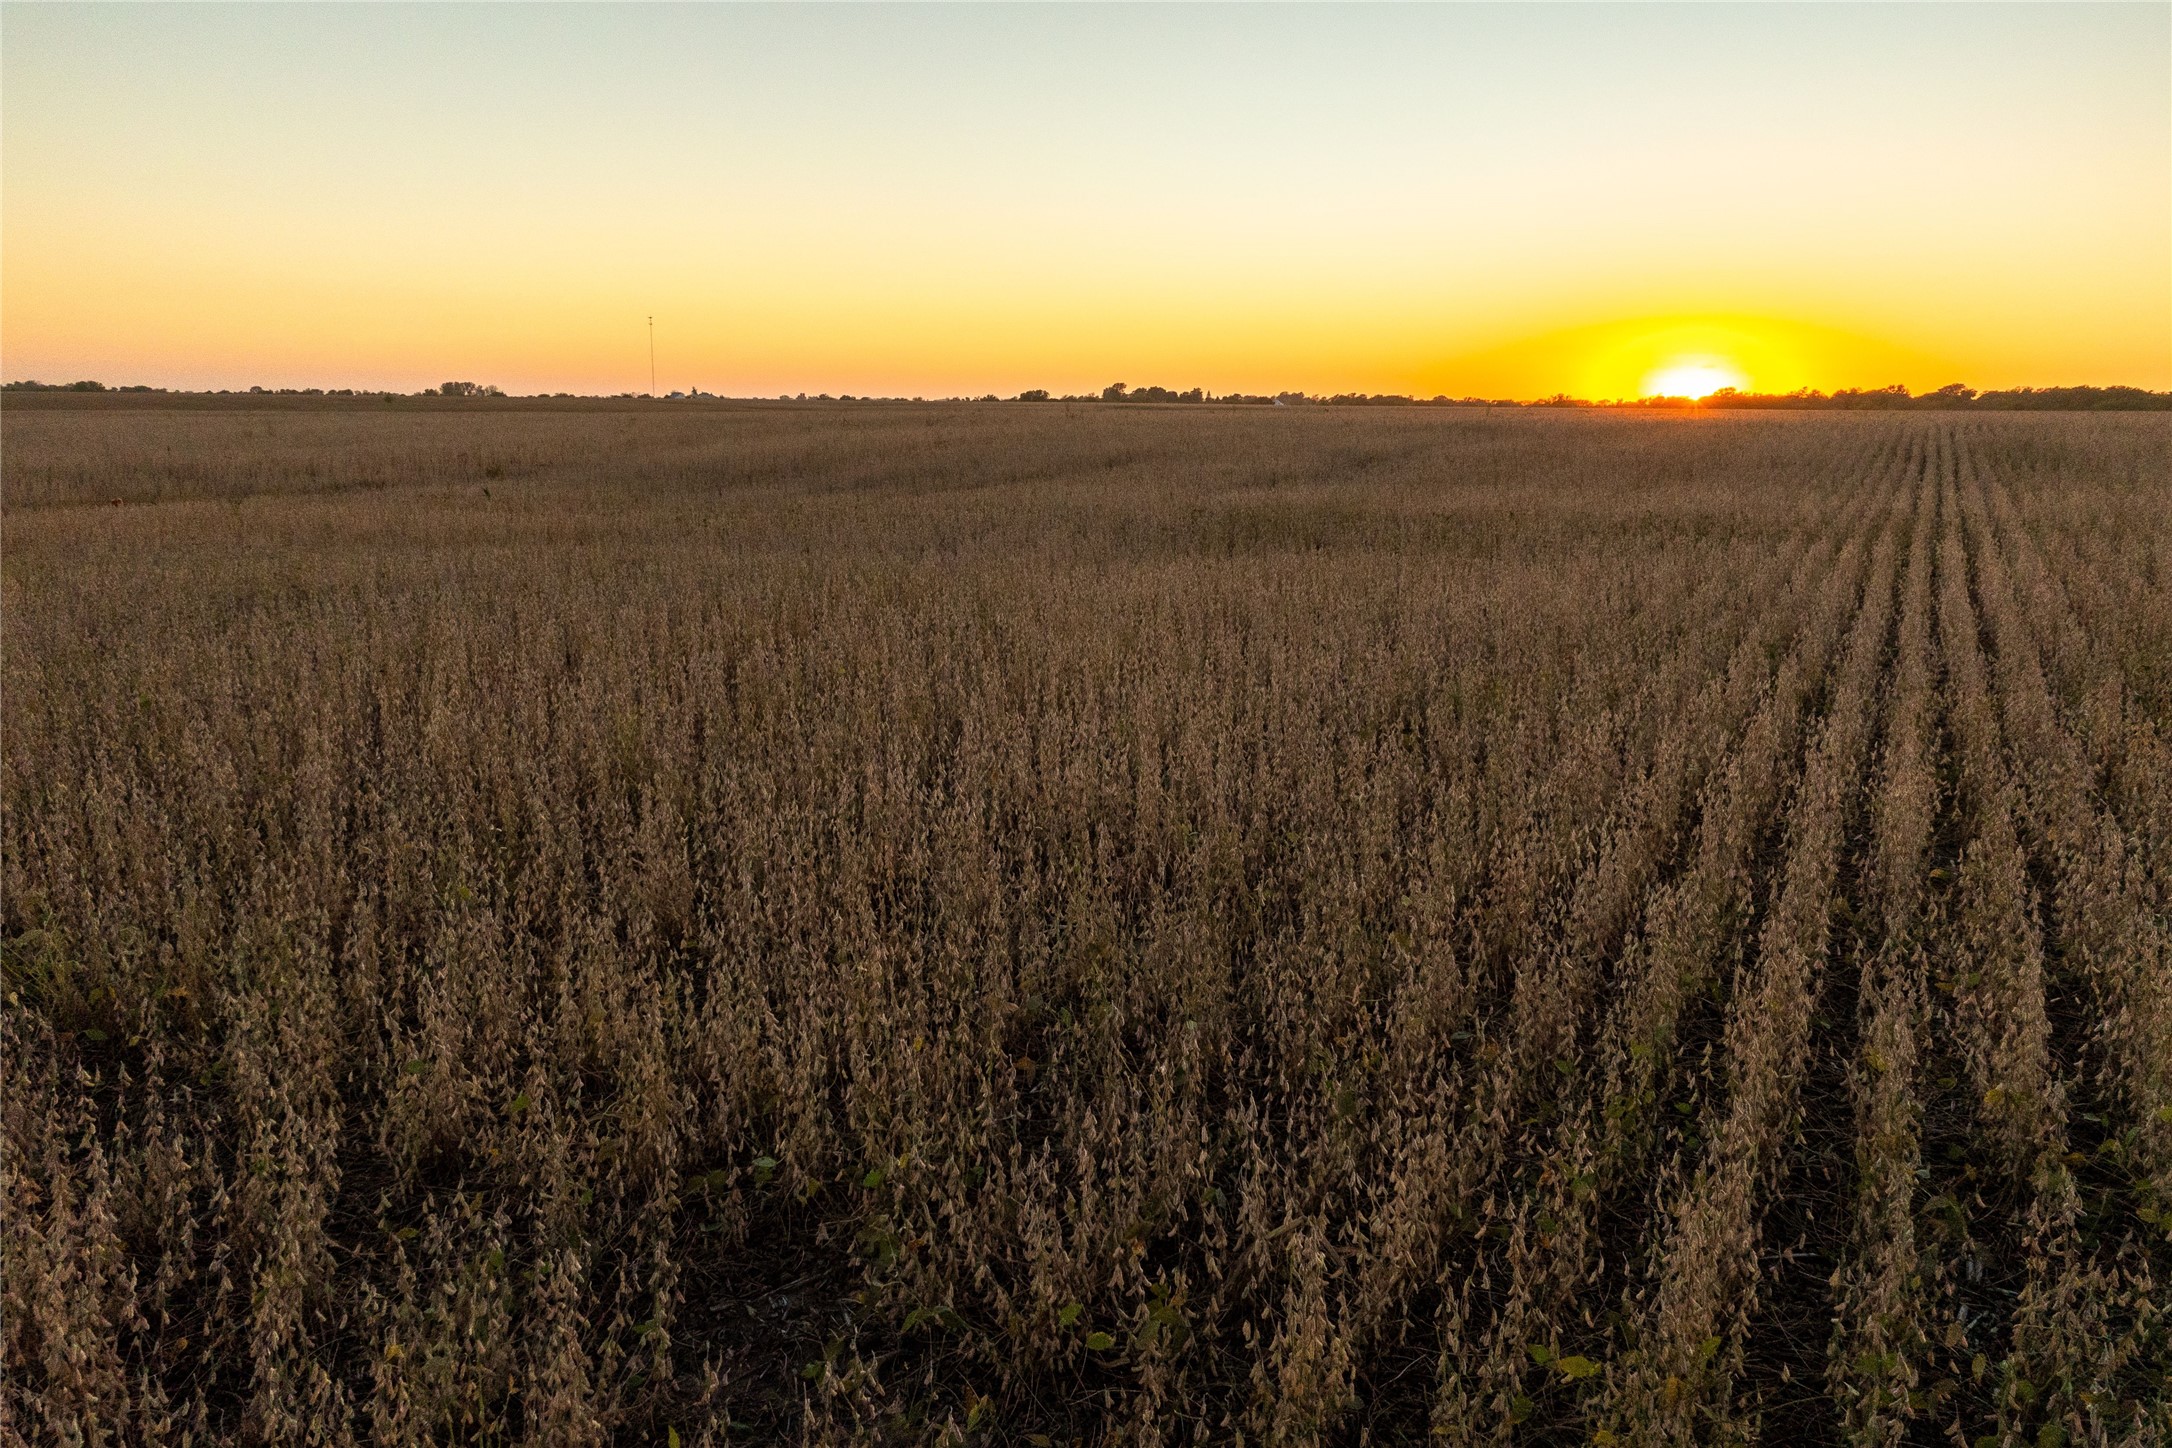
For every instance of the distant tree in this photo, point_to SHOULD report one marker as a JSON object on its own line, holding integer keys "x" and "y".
{"x": 456, "y": 389}
{"x": 1873, "y": 398}
{"x": 1370, "y": 399}
{"x": 2077, "y": 399}
{"x": 1034, "y": 394}
{"x": 1114, "y": 392}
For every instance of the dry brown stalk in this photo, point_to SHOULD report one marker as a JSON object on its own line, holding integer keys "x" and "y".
{"x": 1675, "y": 1386}
{"x": 561, "y": 924}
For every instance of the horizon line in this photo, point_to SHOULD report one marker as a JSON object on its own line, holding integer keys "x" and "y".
{"x": 1956, "y": 395}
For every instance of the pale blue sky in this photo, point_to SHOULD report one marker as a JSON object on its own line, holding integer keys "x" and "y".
{"x": 841, "y": 196}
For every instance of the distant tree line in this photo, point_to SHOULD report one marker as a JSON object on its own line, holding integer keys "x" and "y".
{"x": 1954, "y": 396}
{"x": 84, "y": 386}
{"x": 443, "y": 389}
{"x": 1118, "y": 392}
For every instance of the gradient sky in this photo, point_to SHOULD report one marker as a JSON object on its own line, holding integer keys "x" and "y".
{"x": 1506, "y": 200}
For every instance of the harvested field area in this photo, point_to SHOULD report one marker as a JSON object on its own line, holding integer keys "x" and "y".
{"x": 1023, "y": 924}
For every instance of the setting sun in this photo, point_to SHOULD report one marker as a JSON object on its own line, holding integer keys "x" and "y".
{"x": 1692, "y": 377}
{"x": 1007, "y": 695}
{"x": 925, "y": 200}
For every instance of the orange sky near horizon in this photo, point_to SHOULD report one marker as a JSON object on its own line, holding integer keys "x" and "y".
{"x": 1505, "y": 201}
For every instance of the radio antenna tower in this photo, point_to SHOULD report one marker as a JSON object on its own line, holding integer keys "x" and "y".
{"x": 652, "y": 356}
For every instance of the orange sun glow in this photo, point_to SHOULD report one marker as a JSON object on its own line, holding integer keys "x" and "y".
{"x": 1692, "y": 377}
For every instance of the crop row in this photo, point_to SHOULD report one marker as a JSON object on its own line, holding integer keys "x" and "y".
{"x": 1113, "y": 928}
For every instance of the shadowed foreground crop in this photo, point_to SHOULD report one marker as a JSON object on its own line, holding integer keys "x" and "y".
{"x": 1023, "y": 925}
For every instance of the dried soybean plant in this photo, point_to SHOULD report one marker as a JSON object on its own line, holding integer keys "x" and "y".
{"x": 588, "y": 923}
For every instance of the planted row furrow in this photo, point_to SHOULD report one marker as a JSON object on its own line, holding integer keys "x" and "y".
{"x": 1878, "y": 1328}
{"x": 1675, "y": 1384}
{"x": 1987, "y": 1221}
{"x": 2084, "y": 1313}
{"x": 1690, "y": 922}
{"x": 1992, "y": 965}
{"x": 1449, "y": 1157}
{"x": 2090, "y": 615}
{"x": 2120, "y": 714}
{"x": 1550, "y": 1245}
{"x": 1545, "y": 1247}
{"x": 2112, "y": 931}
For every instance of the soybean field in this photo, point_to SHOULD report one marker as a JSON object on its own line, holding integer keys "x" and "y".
{"x": 593, "y": 923}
